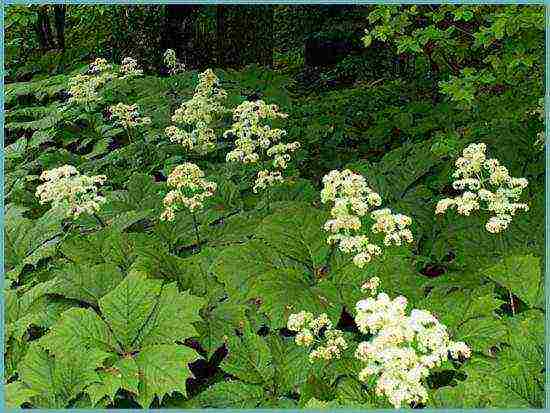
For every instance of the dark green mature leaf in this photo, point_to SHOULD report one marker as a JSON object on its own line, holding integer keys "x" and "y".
{"x": 297, "y": 233}
{"x": 237, "y": 267}
{"x": 249, "y": 358}
{"x": 28, "y": 241}
{"x": 469, "y": 315}
{"x": 290, "y": 362}
{"x": 79, "y": 330}
{"x": 163, "y": 369}
{"x": 219, "y": 324}
{"x": 522, "y": 276}
{"x": 232, "y": 395}
{"x": 87, "y": 283}
{"x": 286, "y": 290}
{"x": 57, "y": 381}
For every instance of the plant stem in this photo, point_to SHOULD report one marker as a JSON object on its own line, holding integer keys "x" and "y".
{"x": 196, "y": 227}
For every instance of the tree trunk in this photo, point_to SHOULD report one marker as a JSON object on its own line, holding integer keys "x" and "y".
{"x": 43, "y": 29}
{"x": 59, "y": 12}
{"x": 245, "y": 35}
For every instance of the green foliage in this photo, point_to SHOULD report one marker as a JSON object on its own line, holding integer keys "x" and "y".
{"x": 123, "y": 310}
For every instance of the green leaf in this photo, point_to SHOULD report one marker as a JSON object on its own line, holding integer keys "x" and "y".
{"x": 219, "y": 324}
{"x": 286, "y": 290}
{"x": 163, "y": 369}
{"x": 297, "y": 233}
{"x": 469, "y": 315}
{"x": 17, "y": 394}
{"x": 249, "y": 358}
{"x": 57, "y": 381}
{"x": 237, "y": 267}
{"x": 129, "y": 307}
{"x": 87, "y": 283}
{"x": 232, "y": 395}
{"x": 78, "y": 330}
{"x": 123, "y": 374}
{"x": 522, "y": 276}
{"x": 290, "y": 362}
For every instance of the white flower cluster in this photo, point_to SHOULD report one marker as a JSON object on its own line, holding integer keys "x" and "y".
{"x": 172, "y": 63}
{"x": 329, "y": 342}
{"x": 191, "y": 190}
{"x": 65, "y": 186}
{"x": 404, "y": 347}
{"x": 128, "y": 116}
{"x": 485, "y": 181}
{"x": 401, "y": 352}
{"x": 256, "y": 141}
{"x": 83, "y": 88}
{"x": 199, "y": 113}
{"x": 130, "y": 68}
{"x": 352, "y": 201}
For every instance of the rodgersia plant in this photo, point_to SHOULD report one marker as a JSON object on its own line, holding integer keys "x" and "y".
{"x": 128, "y": 117}
{"x": 488, "y": 187}
{"x": 129, "y": 68}
{"x": 198, "y": 115}
{"x": 257, "y": 142}
{"x": 83, "y": 88}
{"x": 172, "y": 63}
{"x": 400, "y": 353}
{"x": 353, "y": 200}
{"x": 64, "y": 186}
{"x": 190, "y": 192}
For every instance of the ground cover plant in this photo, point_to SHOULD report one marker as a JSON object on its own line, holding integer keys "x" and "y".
{"x": 250, "y": 229}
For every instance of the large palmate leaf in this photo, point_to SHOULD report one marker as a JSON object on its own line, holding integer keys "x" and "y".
{"x": 56, "y": 381}
{"x": 520, "y": 274}
{"x": 469, "y": 315}
{"x": 28, "y": 241}
{"x": 284, "y": 291}
{"x": 139, "y": 323}
{"x": 163, "y": 369}
{"x": 514, "y": 380}
{"x": 87, "y": 283}
{"x": 395, "y": 268}
{"x": 249, "y": 358}
{"x": 238, "y": 266}
{"x": 219, "y": 324}
{"x": 399, "y": 171}
{"x": 106, "y": 246}
{"x": 297, "y": 233}
{"x": 142, "y": 194}
{"x": 25, "y": 309}
{"x": 232, "y": 394}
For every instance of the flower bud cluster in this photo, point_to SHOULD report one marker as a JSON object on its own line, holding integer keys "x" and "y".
{"x": 190, "y": 190}
{"x": 487, "y": 186}
{"x": 172, "y": 63}
{"x": 198, "y": 115}
{"x": 128, "y": 116}
{"x": 329, "y": 343}
{"x": 404, "y": 347}
{"x": 66, "y": 187}
{"x": 256, "y": 141}
{"x": 353, "y": 200}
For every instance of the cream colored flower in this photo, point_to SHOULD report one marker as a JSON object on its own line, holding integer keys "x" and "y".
{"x": 489, "y": 188}
{"x": 65, "y": 186}
{"x": 190, "y": 190}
